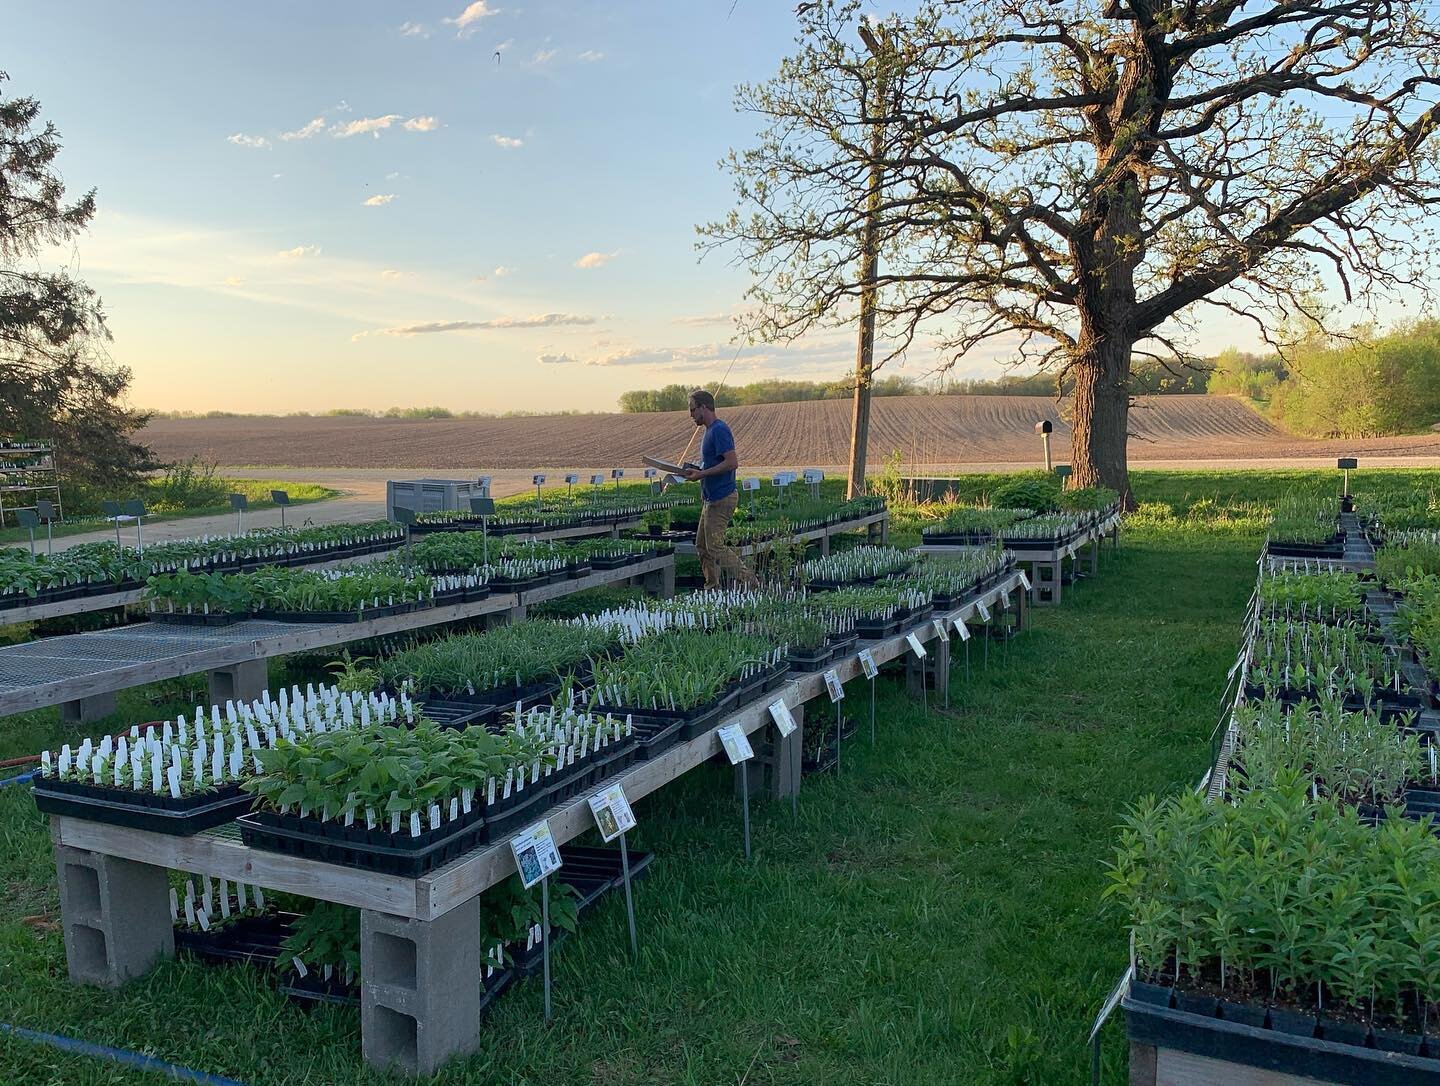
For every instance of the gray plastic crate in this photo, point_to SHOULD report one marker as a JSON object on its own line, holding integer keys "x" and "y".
{"x": 431, "y": 495}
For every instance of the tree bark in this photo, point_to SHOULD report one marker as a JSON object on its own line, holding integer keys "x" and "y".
{"x": 1100, "y": 422}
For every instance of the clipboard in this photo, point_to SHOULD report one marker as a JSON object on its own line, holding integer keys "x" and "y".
{"x": 667, "y": 466}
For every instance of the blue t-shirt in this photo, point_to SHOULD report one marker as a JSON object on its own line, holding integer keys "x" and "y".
{"x": 718, "y": 441}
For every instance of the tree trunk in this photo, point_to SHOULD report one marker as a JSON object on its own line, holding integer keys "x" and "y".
{"x": 1100, "y": 421}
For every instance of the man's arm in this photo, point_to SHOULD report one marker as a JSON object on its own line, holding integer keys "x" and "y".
{"x": 728, "y": 462}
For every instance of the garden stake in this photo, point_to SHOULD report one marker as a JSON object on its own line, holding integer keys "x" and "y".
{"x": 545, "y": 936}
{"x": 629, "y": 901}
{"x": 872, "y": 712}
{"x": 837, "y": 739}
{"x": 745, "y": 796}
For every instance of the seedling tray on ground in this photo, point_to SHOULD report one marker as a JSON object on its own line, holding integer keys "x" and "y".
{"x": 314, "y": 988}
{"x": 190, "y": 814}
{"x": 252, "y": 939}
{"x": 1305, "y": 1056}
{"x": 372, "y": 850}
{"x": 594, "y": 861}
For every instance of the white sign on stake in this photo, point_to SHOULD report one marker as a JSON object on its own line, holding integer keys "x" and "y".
{"x": 612, "y": 812}
{"x": 940, "y": 631}
{"x": 962, "y": 629}
{"x": 833, "y": 686}
{"x": 982, "y": 611}
{"x": 736, "y": 743}
{"x": 784, "y": 720}
{"x": 537, "y": 480}
{"x": 1024, "y": 581}
{"x": 1005, "y": 599}
{"x": 867, "y": 664}
{"x": 915, "y": 646}
{"x": 535, "y": 853}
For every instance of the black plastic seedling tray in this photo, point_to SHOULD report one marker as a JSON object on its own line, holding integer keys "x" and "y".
{"x": 355, "y": 846}
{"x": 142, "y": 810}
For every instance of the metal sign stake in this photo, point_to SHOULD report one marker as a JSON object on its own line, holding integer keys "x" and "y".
{"x": 872, "y": 712}
{"x": 545, "y": 936}
{"x": 629, "y": 901}
{"x": 745, "y": 796}
{"x": 838, "y": 727}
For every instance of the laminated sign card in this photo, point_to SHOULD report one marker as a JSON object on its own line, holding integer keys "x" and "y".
{"x": 535, "y": 853}
{"x": 612, "y": 812}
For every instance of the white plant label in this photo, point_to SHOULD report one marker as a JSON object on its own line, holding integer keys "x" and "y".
{"x": 833, "y": 686}
{"x": 915, "y": 646}
{"x": 736, "y": 743}
{"x": 982, "y": 611}
{"x": 612, "y": 812}
{"x": 535, "y": 853}
{"x": 940, "y": 631}
{"x": 867, "y": 663}
{"x": 962, "y": 629}
{"x": 1024, "y": 581}
{"x": 784, "y": 719}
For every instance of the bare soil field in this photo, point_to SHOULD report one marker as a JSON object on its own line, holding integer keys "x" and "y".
{"x": 928, "y": 431}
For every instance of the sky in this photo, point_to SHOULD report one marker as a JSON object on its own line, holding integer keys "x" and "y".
{"x": 315, "y": 205}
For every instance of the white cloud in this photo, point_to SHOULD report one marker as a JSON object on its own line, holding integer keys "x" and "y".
{"x": 421, "y": 124}
{"x": 276, "y": 176}
{"x": 592, "y": 55}
{"x": 371, "y": 125}
{"x": 502, "y": 271}
{"x": 380, "y": 199}
{"x": 543, "y": 56}
{"x": 299, "y": 252}
{"x": 234, "y": 281}
{"x": 392, "y": 175}
{"x": 596, "y": 260}
{"x": 312, "y": 128}
{"x": 391, "y": 273}
{"x": 467, "y": 22}
{"x": 508, "y": 141}
{"x": 554, "y": 359}
{"x": 703, "y": 319}
{"x": 414, "y": 30}
{"x": 240, "y": 139}
{"x": 543, "y": 320}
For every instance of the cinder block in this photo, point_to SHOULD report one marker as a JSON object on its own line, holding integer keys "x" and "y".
{"x": 85, "y": 710}
{"x": 420, "y": 988}
{"x": 115, "y": 914}
{"x": 245, "y": 681}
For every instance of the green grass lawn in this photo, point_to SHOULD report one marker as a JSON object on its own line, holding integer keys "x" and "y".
{"x": 256, "y": 491}
{"x": 932, "y": 916}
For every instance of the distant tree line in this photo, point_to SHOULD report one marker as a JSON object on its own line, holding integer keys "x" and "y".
{"x": 676, "y": 397}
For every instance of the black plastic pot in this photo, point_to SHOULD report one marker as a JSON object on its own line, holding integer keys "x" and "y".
{"x": 356, "y": 846}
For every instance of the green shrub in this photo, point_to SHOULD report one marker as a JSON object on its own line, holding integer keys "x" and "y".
{"x": 1033, "y": 490}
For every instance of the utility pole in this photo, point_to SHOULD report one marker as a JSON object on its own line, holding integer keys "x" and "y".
{"x": 869, "y": 267}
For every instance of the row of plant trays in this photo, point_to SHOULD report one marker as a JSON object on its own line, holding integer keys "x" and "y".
{"x": 836, "y": 647}
{"x": 411, "y": 856}
{"x": 1391, "y": 705}
{"x": 140, "y": 810}
{"x": 89, "y": 589}
{"x": 1332, "y": 548}
{"x": 228, "y": 618}
{"x": 1281, "y": 1039}
{"x": 657, "y": 730}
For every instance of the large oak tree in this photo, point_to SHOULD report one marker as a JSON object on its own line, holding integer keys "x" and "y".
{"x": 1079, "y": 180}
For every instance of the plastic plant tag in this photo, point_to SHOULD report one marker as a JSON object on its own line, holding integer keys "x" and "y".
{"x": 612, "y": 812}
{"x": 1024, "y": 581}
{"x": 535, "y": 853}
{"x": 833, "y": 686}
{"x": 1005, "y": 600}
{"x": 736, "y": 743}
{"x": 784, "y": 719}
{"x": 299, "y": 967}
{"x": 867, "y": 663}
{"x": 190, "y": 909}
{"x": 982, "y": 611}
{"x": 414, "y": 823}
{"x": 174, "y": 905}
{"x": 940, "y": 631}
{"x": 915, "y": 646}
{"x": 259, "y": 897}
{"x": 240, "y": 895}
{"x": 202, "y": 918}
{"x": 224, "y": 899}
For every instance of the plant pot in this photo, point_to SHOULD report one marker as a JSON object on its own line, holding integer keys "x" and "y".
{"x": 1159, "y": 995}
{"x": 1295, "y": 1023}
{"x": 1348, "y": 1033}
{"x": 1246, "y": 1014}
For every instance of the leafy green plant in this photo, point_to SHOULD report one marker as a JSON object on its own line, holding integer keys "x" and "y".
{"x": 517, "y": 654}
{"x": 1039, "y": 491}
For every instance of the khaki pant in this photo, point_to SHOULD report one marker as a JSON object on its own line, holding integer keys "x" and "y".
{"x": 710, "y": 544}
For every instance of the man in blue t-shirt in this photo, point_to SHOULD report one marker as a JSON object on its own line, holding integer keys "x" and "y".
{"x": 718, "y": 495}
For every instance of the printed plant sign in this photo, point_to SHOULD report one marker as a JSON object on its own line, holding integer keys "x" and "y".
{"x": 915, "y": 646}
{"x": 833, "y": 686}
{"x": 535, "y": 853}
{"x": 940, "y": 631}
{"x": 962, "y": 629}
{"x": 784, "y": 719}
{"x": 982, "y": 611}
{"x": 867, "y": 664}
{"x": 736, "y": 743}
{"x": 612, "y": 812}
{"x": 1024, "y": 581}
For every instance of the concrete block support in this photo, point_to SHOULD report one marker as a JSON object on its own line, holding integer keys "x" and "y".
{"x": 85, "y": 710}
{"x": 420, "y": 988}
{"x": 115, "y": 914}
{"x": 660, "y": 583}
{"x": 245, "y": 681}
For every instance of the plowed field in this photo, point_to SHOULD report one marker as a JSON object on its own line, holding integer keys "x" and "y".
{"x": 929, "y": 431}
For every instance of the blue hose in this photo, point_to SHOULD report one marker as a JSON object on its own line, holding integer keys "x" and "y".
{"x": 24, "y": 778}
{"x": 120, "y": 1055}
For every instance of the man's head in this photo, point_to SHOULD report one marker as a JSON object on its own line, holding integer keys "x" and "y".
{"x": 702, "y": 407}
